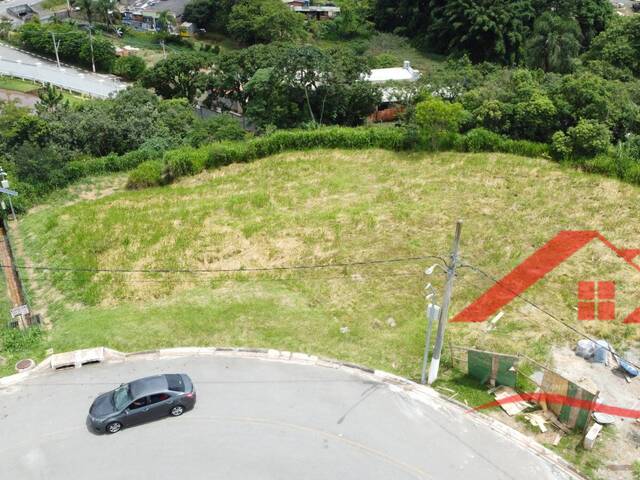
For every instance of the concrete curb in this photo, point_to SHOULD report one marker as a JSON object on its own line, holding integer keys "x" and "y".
{"x": 415, "y": 391}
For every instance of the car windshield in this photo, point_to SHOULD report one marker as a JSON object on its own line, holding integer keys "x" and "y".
{"x": 121, "y": 397}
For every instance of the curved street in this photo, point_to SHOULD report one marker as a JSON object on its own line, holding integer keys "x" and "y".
{"x": 23, "y": 65}
{"x": 255, "y": 418}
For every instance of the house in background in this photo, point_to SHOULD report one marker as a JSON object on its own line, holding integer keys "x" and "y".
{"x": 313, "y": 12}
{"x": 141, "y": 20}
{"x": 394, "y": 74}
{"x": 390, "y": 107}
{"x": 187, "y": 29}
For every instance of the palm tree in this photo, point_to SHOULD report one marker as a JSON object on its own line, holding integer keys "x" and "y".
{"x": 88, "y": 7}
{"x": 555, "y": 43}
{"x": 166, "y": 18}
{"x": 104, "y": 7}
{"x": 51, "y": 98}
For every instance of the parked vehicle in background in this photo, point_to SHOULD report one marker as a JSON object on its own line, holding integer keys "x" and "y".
{"x": 141, "y": 401}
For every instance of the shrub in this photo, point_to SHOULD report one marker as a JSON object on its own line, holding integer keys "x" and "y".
{"x": 438, "y": 120}
{"x": 13, "y": 340}
{"x": 632, "y": 173}
{"x": 184, "y": 161}
{"x": 631, "y": 147}
{"x": 384, "y": 60}
{"x": 130, "y": 68}
{"x": 602, "y": 164}
{"x": 217, "y": 128}
{"x": 147, "y": 174}
{"x": 589, "y": 138}
{"x": 480, "y": 140}
{"x": 560, "y": 146}
{"x": 525, "y": 148}
{"x": 225, "y": 153}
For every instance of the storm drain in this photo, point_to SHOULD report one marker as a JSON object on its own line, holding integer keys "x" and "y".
{"x": 77, "y": 358}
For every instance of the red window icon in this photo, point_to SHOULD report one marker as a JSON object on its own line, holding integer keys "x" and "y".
{"x": 596, "y": 300}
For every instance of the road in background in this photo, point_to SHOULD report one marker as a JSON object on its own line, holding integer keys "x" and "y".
{"x": 19, "y": 64}
{"x": 254, "y": 419}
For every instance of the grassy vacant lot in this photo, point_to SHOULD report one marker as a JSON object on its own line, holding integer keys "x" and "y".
{"x": 306, "y": 209}
{"x": 17, "y": 85}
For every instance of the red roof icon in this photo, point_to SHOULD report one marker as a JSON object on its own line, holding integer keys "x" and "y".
{"x": 535, "y": 267}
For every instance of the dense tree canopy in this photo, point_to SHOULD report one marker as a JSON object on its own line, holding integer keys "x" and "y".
{"x": 554, "y": 44}
{"x": 177, "y": 76}
{"x": 490, "y": 30}
{"x": 264, "y": 21}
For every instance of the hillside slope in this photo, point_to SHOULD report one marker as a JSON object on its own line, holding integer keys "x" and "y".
{"x": 307, "y": 209}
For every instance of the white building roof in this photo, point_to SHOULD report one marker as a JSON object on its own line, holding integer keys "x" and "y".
{"x": 405, "y": 73}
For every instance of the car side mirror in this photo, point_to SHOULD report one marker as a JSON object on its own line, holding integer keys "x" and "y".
{"x": 126, "y": 411}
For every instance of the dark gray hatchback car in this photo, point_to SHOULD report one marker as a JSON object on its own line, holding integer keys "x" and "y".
{"x": 142, "y": 400}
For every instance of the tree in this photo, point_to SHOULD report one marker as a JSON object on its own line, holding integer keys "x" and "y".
{"x": 105, "y": 9}
{"x": 438, "y": 119}
{"x": 177, "y": 76}
{"x": 199, "y": 12}
{"x": 491, "y": 30}
{"x": 165, "y": 19}
{"x": 350, "y": 24}
{"x": 233, "y": 70}
{"x": 619, "y": 45}
{"x": 586, "y": 139}
{"x": 210, "y": 14}
{"x": 408, "y": 18}
{"x": 88, "y": 7}
{"x": 593, "y": 16}
{"x": 264, "y": 21}
{"x": 5, "y": 28}
{"x": 102, "y": 50}
{"x": 309, "y": 70}
{"x": 51, "y": 99}
{"x": 555, "y": 43}
{"x": 130, "y": 67}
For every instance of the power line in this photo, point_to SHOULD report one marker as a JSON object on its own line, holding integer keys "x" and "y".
{"x": 260, "y": 279}
{"x": 543, "y": 310}
{"x": 221, "y": 270}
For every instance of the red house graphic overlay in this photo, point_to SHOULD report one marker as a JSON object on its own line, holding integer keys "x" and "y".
{"x": 596, "y": 299}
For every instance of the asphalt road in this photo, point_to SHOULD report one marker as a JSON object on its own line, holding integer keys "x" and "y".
{"x": 22, "y": 65}
{"x": 254, "y": 419}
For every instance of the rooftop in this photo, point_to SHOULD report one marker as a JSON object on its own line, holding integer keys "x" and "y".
{"x": 404, "y": 73}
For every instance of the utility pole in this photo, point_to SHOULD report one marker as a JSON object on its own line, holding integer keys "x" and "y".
{"x": 93, "y": 63}
{"x": 55, "y": 47}
{"x": 432, "y": 312}
{"x": 444, "y": 313}
{"x": 164, "y": 52}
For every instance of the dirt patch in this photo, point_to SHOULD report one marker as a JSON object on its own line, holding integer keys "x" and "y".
{"x": 624, "y": 448}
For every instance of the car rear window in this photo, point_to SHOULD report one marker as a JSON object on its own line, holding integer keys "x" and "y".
{"x": 176, "y": 384}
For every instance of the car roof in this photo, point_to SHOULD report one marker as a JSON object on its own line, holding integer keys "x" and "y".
{"x": 148, "y": 385}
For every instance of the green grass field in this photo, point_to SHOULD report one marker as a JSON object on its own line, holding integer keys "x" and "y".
{"x": 23, "y": 86}
{"x": 305, "y": 209}
{"x": 17, "y": 85}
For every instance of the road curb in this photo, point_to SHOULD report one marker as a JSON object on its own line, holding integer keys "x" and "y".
{"x": 419, "y": 393}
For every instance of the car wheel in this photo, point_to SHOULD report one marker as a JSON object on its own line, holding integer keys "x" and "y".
{"x": 114, "y": 427}
{"x": 177, "y": 411}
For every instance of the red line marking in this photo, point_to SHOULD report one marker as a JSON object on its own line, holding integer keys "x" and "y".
{"x": 554, "y": 398}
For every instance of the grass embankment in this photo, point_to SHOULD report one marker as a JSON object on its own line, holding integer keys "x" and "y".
{"x": 313, "y": 208}
{"x": 17, "y": 85}
{"x": 25, "y": 86}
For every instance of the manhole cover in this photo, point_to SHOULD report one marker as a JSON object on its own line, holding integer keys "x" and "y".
{"x": 24, "y": 365}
